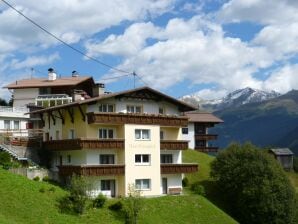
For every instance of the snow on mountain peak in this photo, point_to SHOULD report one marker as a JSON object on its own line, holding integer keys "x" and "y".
{"x": 233, "y": 99}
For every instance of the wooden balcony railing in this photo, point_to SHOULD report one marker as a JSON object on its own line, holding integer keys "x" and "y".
{"x": 173, "y": 145}
{"x": 206, "y": 149}
{"x": 75, "y": 144}
{"x": 128, "y": 118}
{"x": 205, "y": 137}
{"x": 88, "y": 170}
{"x": 178, "y": 168}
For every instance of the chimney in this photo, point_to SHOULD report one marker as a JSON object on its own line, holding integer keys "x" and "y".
{"x": 98, "y": 89}
{"x": 75, "y": 74}
{"x": 51, "y": 74}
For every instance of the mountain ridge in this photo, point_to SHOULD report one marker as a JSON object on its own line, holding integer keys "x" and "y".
{"x": 234, "y": 99}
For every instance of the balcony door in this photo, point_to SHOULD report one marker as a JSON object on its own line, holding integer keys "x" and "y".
{"x": 108, "y": 187}
{"x": 164, "y": 185}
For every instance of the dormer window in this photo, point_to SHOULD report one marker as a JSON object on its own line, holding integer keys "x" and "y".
{"x": 106, "y": 108}
{"x": 161, "y": 110}
{"x": 134, "y": 109}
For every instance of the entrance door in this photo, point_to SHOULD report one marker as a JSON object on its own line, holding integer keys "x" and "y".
{"x": 108, "y": 187}
{"x": 113, "y": 188}
{"x": 164, "y": 185}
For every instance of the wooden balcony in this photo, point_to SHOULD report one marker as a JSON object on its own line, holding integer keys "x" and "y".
{"x": 75, "y": 144}
{"x": 206, "y": 137}
{"x": 88, "y": 170}
{"x": 128, "y": 118}
{"x": 206, "y": 149}
{"x": 178, "y": 168}
{"x": 173, "y": 145}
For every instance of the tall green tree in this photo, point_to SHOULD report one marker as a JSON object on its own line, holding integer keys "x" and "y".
{"x": 254, "y": 184}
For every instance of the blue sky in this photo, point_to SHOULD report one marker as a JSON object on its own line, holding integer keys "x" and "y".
{"x": 203, "y": 47}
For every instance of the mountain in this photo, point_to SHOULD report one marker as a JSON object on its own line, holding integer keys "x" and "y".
{"x": 234, "y": 99}
{"x": 273, "y": 122}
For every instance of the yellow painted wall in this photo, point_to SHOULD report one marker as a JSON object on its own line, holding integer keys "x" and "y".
{"x": 92, "y": 130}
{"x": 171, "y": 133}
{"x": 134, "y": 171}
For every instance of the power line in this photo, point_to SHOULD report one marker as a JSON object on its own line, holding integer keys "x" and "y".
{"x": 115, "y": 77}
{"x": 63, "y": 42}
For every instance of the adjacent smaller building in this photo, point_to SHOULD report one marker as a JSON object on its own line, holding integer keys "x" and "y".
{"x": 197, "y": 131}
{"x": 284, "y": 156}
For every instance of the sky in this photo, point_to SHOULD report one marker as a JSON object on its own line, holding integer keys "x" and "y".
{"x": 203, "y": 47}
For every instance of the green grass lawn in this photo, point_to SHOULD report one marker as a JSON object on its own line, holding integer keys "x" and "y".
{"x": 22, "y": 202}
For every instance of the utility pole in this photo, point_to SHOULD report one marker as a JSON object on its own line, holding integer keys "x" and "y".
{"x": 134, "y": 79}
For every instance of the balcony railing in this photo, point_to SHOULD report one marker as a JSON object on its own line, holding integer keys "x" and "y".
{"x": 206, "y": 148}
{"x": 173, "y": 145}
{"x": 50, "y": 100}
{"x": 89, "y": 170}
{"x": 75, "y": 144}
{"x": 178, "y": 168}
{"x": 128, "y": 118}
{"x": 205, "y": 137}
{"x": 6, "y": 109}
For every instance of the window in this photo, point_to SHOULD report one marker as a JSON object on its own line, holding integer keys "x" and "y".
{"x": 161, "y": 110}
{"x": 105, "y": 185}
{"x": 106, "y": 108}
{"x": 185, "y": 131}
{"x": 105, "y": 133}
{"x": 16, "y": 125}
{"x": 71, "y": 134}
{"x": 142, "y": 184}
{"x": 142, "y": 159}
{"x": 142, "y": 134}
{"x": 166, "y": 158}
{"x": 199, "y": 129}
{"x": 133, "y": 109}
{"x": 6, "y": 124}
{"x": 69, "y": 158}
{"x": 161, "y": 135}
{"x": 107, "y": 159}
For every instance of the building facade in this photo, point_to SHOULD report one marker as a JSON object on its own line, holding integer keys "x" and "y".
{"x": 120, "y": 139}
{"x": 197, "y": 131}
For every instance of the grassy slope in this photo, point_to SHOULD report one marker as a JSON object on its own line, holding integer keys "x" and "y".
{"x": 22, "y": 202}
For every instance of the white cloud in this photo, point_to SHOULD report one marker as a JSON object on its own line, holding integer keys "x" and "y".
{"x": 71, "y": 20}
{"x": 260, "y": 11}
{"x": 33, "y": 61}
{"x": 282, "y": 80}
{"x": 194, "y": 50}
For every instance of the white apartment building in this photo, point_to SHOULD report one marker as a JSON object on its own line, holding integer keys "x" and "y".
{"x": 130, "y": 137}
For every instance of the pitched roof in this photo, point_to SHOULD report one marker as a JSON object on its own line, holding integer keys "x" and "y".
{"x": 128, "y": 93}
{"x": 282, "y": 151}
{"x": 37, "y": 82}
{"x": 197, "y": 116}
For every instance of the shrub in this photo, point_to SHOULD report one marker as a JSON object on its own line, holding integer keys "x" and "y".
{"x": 117, "y": 206}
{"x": 52, "y": 189}
{"x": 197, "y": 188}
{"x": 65, "y": 205}
{"x": 99, "y": 201}
{"x": 185, "y": 182}
{"x": 254, "y": 184}
{"x": 42, "y": 190}
{"x": 132, "y": 205}
{"x": 36, "y": 178}
{"x": 5, "y": 160}
{"x": 77, "y": 200}
{"x": 46, "y": 179}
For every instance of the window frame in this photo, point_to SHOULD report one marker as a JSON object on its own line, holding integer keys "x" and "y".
{"x": 107, "y": 133}
{"x": 14, "y": 124}
{"x": 184, "y": 130}
{"x": 142, "y": 184}
{"x": 141, "y": 135}
{"x": 107, "y": 108}
{"x": 7, "y": 123}
{"x": 166, "y": 157}
{"x": 134, "y": 107}
{"x": 141, "y": 159}
{"x": 108, "y": 156}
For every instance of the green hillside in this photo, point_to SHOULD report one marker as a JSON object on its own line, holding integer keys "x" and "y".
{"x": 23, "y": 201}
